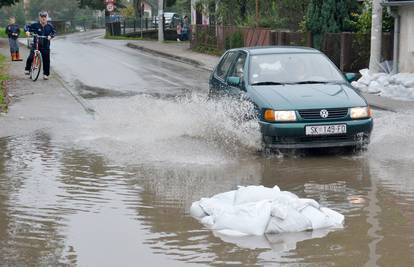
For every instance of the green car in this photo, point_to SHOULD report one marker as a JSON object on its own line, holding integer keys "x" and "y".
{"x": 301, "y": 98}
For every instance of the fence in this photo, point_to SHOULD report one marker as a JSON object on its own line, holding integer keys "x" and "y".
{"x": 136, "y": 25}
{"x": 349, "y": 51}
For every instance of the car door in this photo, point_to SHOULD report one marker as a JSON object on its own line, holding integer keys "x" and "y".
{"x": 218, "y": 84}
{"x": 237, "y": 70}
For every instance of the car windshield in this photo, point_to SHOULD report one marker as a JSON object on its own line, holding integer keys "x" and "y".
{"x": 268, "y": 69}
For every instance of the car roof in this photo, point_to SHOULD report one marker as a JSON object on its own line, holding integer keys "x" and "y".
{"x": 261, "y": 50}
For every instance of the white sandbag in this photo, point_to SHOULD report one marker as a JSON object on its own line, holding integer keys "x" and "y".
{"x": 366, "y": 78}
{"x": 230, "y": 233}
{"x": 251, "y": 218}
{"x": 288, "y": 195}
{"x": 336, "y": 218}
{"x": 383, "y": 81}
{"x": 293, "y": 221}
{"x": 208, "y": 221}
{"x": 302, "y": 203}
{"x": 248, "y": 194}
{"x": 364, "y": 72}
{"x": 374, "y": 86}
{"x": 218, "y": 203}
{"x": 227, "y": 197}
{"x": 321, "y": 218}
{"x": 256, "y": 210}
{"x": 196, "y": 210}
{"x": 399, "y": 86}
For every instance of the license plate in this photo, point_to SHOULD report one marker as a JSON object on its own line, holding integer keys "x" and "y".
{"x": 326, "y": 129}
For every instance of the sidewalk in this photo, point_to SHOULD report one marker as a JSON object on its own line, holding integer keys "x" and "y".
{"x": 36, "y": 105}
{"x": 181, "y": 52}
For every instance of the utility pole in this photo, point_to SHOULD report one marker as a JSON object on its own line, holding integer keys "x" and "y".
{"x": 160, "y": 20}
{"x": 376, "y": 36}
{"x": 141, "y": 16}
{"x": 257, "y": 13}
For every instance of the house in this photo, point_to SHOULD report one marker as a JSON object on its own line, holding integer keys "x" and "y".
{"x": 403, "y": 13}
{"x": 149, "y": 6}
{"x": 199, "y": 13}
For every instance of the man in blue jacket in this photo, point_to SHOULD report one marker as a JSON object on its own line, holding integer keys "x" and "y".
{"x": 13, "y": 32}
{"x": 41, "y": 28}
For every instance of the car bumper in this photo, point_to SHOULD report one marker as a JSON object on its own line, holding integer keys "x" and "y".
{"x": 292, "y": 135}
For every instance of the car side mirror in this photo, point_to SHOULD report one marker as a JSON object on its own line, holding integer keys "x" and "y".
{"x": 350, "y": 77}
{"x": 234, "y": 81}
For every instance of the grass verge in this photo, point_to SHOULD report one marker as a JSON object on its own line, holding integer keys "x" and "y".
{"x": 207, "y": 50}
{"x": 3, "y": 33}
{"x": 3, "y": 78}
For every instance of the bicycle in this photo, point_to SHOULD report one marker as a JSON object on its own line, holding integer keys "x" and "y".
{"x": 36, "y": 66}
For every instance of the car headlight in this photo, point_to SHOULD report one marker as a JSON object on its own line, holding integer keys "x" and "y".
{"x": 278, "y": 115}
{"x": 361, "y": 112}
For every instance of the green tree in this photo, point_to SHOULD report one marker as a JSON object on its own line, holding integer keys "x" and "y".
{"x": 269, "y": 15}
{"x": 16, "y": 10}
{"x": 7, "y": 2}
{"x": 98, "y": 4}
{"x": 128, "y": 11}
{"x": 57, "y": 9}
{"x": 272, "y": 13}
{"x": 182, "y": 7}
{"x": 92, "y": 4}
{"x": 325, "y": 16}
{"x": 293, "y": 12}
{"x": 362, "y": 19}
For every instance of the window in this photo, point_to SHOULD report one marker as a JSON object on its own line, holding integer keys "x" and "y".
{"x": 225, "y": 64}
{"x": 291, "y": 68}
{"x": 238, "y": 68}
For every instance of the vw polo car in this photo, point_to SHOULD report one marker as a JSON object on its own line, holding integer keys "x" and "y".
{"x": 301, "y": 98}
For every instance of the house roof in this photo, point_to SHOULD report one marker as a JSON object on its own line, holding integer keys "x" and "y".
{"x": 397, "y": 2}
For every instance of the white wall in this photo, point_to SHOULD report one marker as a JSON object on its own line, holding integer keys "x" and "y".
{"x": 406, "y": 59}
{"x": 206, "y": 18}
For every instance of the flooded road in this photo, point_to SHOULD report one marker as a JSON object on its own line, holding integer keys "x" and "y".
{"x": 115, "y": 188}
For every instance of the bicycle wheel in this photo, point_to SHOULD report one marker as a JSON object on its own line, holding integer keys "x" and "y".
{"x": 36, "y": 66}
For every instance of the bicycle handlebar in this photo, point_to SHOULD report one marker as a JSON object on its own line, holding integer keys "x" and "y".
{"x": 38, "y": 36}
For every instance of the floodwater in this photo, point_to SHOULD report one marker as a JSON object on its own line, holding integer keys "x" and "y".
{"x": 115, "y": 188}
{"x": 118, "y": 192}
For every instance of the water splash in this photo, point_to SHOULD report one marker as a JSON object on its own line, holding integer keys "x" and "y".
{"x": 189, "y": 129}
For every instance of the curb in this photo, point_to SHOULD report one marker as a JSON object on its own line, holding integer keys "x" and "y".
{"x": 85, "y": 105}
{"x": 169, "y": 56}
{"x": 388, "y": 104}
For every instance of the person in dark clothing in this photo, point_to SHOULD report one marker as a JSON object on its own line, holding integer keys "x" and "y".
{"x": 41, "y": 28}
{"x": 13, "y": 32}
{"x": 185, "y": 29}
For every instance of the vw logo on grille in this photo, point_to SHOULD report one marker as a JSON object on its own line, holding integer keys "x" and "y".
{"x": 324, "y": 113}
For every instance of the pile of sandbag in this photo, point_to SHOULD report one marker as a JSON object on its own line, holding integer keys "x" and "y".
{"x": 256, "y": 210}
{"x": 399, "y": 86}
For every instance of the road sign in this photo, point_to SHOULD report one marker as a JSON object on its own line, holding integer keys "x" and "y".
{"x": 110, "y": 7}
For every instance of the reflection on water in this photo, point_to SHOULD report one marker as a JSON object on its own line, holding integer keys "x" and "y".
{"x": 62, "y": 203}
{"x": 277, "y": 243}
